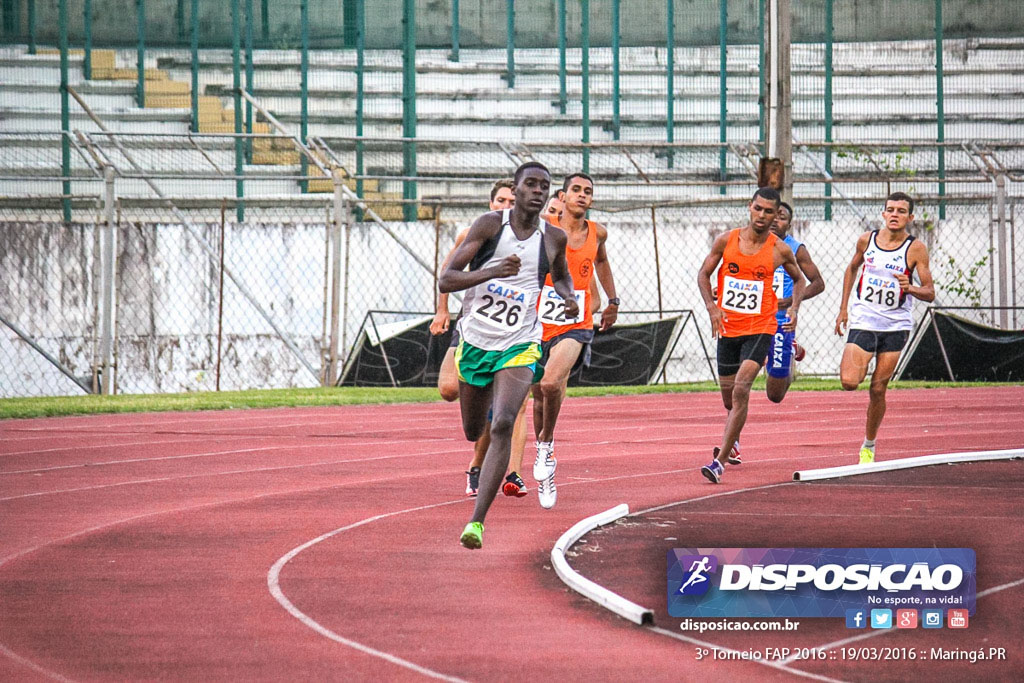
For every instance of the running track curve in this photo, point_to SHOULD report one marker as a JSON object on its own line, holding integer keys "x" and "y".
{"x": 171, "y": 545}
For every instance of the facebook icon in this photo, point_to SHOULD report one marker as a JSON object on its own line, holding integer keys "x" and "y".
{"x": 856, "y": 618}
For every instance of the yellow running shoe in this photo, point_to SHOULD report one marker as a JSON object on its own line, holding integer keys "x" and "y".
{"x": 867, "y": 455}
{"x": 473, "y": 536}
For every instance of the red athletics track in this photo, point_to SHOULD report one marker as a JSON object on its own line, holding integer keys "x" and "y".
{"x": 168, "y": 545}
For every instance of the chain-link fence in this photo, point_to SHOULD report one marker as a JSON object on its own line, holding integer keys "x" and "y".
{"x": 216, "y": 290}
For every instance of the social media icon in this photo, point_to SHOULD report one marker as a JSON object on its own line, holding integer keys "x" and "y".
{"x": 856, "y": 618}
{"x": 906, "y": 618}
{"x": 881, "y": 618}
{"x": 957, "y": 618}
{"x": 931, "y": 618}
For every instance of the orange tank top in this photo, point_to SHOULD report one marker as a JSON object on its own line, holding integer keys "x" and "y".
{"x": 745, "y": 288}
{"x": 581, "y": 267}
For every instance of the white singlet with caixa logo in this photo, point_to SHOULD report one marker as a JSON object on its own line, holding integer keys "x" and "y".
{"x": 879, "y": 305}
{"x": 501, "y": 313}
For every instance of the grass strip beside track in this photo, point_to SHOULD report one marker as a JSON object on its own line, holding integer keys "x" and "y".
{"x": 53, "y": 406}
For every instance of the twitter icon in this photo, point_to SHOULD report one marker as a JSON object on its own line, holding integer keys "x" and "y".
{"x": 881, "y": 618}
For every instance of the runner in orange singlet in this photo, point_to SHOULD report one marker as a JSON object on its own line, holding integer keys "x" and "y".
{"x": 567, "y": 341}
{"x": 743, "y": 316}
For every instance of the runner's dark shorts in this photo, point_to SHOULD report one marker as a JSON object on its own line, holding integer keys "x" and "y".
{"x": 879, "y": 342}
{"x": 732, "y": 351}
{"x": 585, "y": 337}
{"x": 455, "y": 337}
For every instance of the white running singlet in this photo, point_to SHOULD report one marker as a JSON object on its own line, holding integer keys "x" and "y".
{"x": 501, "y": 313}
{"x": 879, "y": 305}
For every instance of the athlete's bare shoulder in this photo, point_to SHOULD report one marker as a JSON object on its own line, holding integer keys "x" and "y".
{"x": 917, "y": 250}
{"x": 486, "y": 225}
{"x": 556, "y": 235}
{"x": 600, "y": 229}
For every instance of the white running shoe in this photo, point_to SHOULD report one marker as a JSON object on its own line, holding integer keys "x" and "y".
{"x": 547, "y": 493}
{"x": 544, "y": 465}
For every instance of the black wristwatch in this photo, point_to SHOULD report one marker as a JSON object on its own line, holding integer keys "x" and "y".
{"x": 614, "y": 301}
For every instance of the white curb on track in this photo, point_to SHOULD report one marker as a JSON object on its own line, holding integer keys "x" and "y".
{"x": 587, "y": 588}
{"x": 906, "y": 463}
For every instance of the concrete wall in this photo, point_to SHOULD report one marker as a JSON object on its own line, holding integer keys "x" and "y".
{"x": 483, "y": 22}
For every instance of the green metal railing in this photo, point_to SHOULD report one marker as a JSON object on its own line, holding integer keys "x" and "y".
{"x": 87, "y": 24}
{"x": 617, "y": 85}
{"x": 940, "y": 114}
{"x": 585, "y": 88}
{"x": 828, "y": 104}
{"x": 670, "y": 73}
{"x": 140, "y": 53}
{"x": 454, "y": 54}
{"x": 510, "y": 45}
{"x": 65, "y": 114}
{"x": 409, "y": 106}
{"x": 194, "y": 126}
{"x": 236, "y": 87}
{"x": 723, "y": 73}
{"x": 616, "y": 94}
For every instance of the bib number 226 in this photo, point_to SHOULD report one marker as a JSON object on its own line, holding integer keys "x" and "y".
{"x": 499, "y": 312}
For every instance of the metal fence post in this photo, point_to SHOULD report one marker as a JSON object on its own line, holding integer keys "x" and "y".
{"x": 108, "y": 258}
{"x": 304, "y": 86}
{"x": 195, "y": 66}
{"x": 829, "y": 28}
{"x": 616, "y": 113}
{"x": 360, "y": 68}
{"x": 940, "y": 114}
{"x": 65, "y": 114}
{"x": 409, "y": 109}
{"x": 87, "y": 30}
{"x": 670, "y": 72}
{"x": 32, "y": 25}
{"x": 454, "y": 54}
{"x": 341, "y": 217}
{"x": 723, "y": 66}
{"x": 510, "y": 41}
{"x": 1003, "y": 248}
{"x": 585, "y": 84}
{"x": 236, "y": 80}
{"x": 140, "y": 53}
{"x": 265, "y": 21}
{"x": 563, "y": 97}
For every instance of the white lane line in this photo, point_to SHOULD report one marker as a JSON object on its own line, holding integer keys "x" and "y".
{"x": 287, "y": 447}
{"x": 187, "y": 508}
{"x": 199, "y": 439}
{"x": 274, "y": 584}
{"x": 255, "y": 470}
{"x": 428, "y": 410}
{"x": 586, "y": 480}
{"x": 780, "y": 666}
{"x": 29, "y": 664}
{"x": 886, "y": 631}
